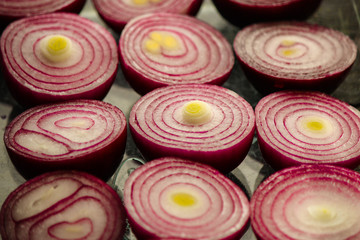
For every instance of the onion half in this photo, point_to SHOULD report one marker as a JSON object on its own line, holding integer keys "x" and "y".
{"x": 294, "y": 55}
{"x": 307, "y": 202}
{"x": 35, "y": 73}
{"x": 13, "y": 10}
{"x": 162, "y": 49}
{"x": 171, "y": 198}
{"x": 296, "y": 127}
{"x": 63, "y": 205}
{"x": 221, "y": 134}
{"x": 244, "y": 12}
{"x": 86, "y": 135}
{"x": 109, "y": 9}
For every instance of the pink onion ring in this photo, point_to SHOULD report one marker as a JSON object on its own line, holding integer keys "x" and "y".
{"x": 33, "y": 79}
{"x": 307, "y": 202}
{"x": 245, "y": 12}
{"x": 294, "y": 55}
{"x": 86, "y": 135}
{"x": 307, "y": 128}
{"x": 171, "y": 198}
{"x": 109, "y": 9}
{"x": 63, "y": 205}
{"x": 181, "y": 50}
{"x": 160, "y": 129}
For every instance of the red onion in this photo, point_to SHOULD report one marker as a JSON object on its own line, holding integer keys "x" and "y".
{"x": 307, "y": 202}
{"x": 86, "y": 135}
{"x": 294, "y": 55}
{"x": 200, "y": 122}
{"x": 296, "y": 128}
{"x": 244, "y": 12}
{"x": 171, "y": 198}
{"x": 162, "y": 49}
{"x": 109, "y": 9}
{"x": 13, "y": 10}
{"x": 56, "y": 57}
{"x": 63, "y": 205}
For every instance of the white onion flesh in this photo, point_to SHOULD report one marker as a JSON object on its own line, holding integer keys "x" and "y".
{"x": 307, "y": 202}
{"x": 218, "y": 209}
{"x": 332, "y": 135}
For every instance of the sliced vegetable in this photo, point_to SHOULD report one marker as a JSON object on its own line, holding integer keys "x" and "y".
{"x": 162, "y": 49}
{"x": 294, "y": 55}
{"x": 307, "y": 202}
{"x": 296, "y": 128}
{"x": 172, "y": 198}
{"x": 201, "y": 122}
{"x": 63, "y": 205}
{"x": 86, "y": 135}
{"x": 56, "y": 57}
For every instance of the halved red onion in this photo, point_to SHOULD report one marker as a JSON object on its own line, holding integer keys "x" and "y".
{"x": 56, "y": 57}
{"x": 109, "y": 9}
{"x": 294, "y": 55}
{"x": 307, "y": 202}
{"x": 295, "y": 127}
{"x": 13, "y": 10}
{"x": 244, "y": 12}
{"x": 162, "y": 49}
{"x": 86, "y": 135}
{"x": 172, "y": 198}
{"x": 63, "y": 205}
{"x": 200, "y": 122}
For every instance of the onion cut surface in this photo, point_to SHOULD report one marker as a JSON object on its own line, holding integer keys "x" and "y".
{"x": 171, "y": 198}
{"x": 63, "y": 205}
{"x": 36, "y": 74}
{"x": 219, "y": 133}
{"x": 109, "y": 9}
{"x": 162, "y": 49}
{"x": 294, "y": 55}
{"x": 307, "y": 202}
{"x": 296, "y": 127}
{"x": 86, "y": 135}
{"x": 245, "y": 12}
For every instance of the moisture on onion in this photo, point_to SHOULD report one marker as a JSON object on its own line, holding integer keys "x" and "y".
{"x": 307, "y": 202}
{"x": 245, "y": 12}
{"x": 172, "y": 198}
{"x": 13, "y": 10}
{"x": 201, "y": 122}
{"x": 63, "y": 205}
{"x": 303, "y": 127}
{"x": 85, "y": 135}
{"x": 162, "y": 49}
{"x": 117, "y": 13}
{"x": 56, "y": 57}
{"x": 294, "y": 55}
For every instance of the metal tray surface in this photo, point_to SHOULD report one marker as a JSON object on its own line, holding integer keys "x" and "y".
{"x": 343, "y": 16}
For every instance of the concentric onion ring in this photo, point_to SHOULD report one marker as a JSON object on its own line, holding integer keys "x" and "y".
{"x": 63, "y": 205}
{"x": 34, "y": 79}
{"x": 86, "y": 135}
{"x": 245, "y": 12}
{"x": 294, "y": 55}
{"x": 307, "y": 202}
{"x": 171, "y": 198}
{"x": 160, "y": 128}
{"x": 163, "y": 49}
{"x": 307, "y": 127}
{"x": 109, "y": 9}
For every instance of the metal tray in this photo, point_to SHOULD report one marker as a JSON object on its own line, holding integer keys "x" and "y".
{"x": 340, "y": 15}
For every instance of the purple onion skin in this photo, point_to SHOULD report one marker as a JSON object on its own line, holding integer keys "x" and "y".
{"x": 101, "y": 162}
{"x": 118, "y": 26}
{"x": 241, "y": 15}
{"x": 87, "y": 179}
{"x": 75, "y": 7}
